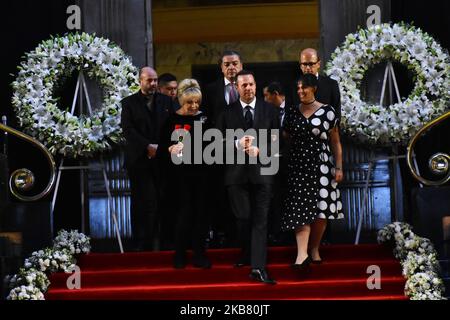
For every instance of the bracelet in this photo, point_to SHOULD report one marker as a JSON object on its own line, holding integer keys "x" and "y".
{"x": 337, "y": 168}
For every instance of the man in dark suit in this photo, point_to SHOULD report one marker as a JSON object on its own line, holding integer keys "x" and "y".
{"x": 249, "y": 190}
{"x": 221, "y": 93}
{"x": 143, "y": 114}
{"x": 327, "y": 88}
{"x": 218, "y": 96}
{"x": 275, "y": 95}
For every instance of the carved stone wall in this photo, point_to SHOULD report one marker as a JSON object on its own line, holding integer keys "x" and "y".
{"x": 178, "y": 58}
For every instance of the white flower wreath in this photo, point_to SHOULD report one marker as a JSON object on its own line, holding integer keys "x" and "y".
{"x": 404, "y": 44}
{"x": 45, "y": 67}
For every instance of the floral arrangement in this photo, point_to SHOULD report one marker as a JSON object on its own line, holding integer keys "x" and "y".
{"x": 28, "y": 284}
{"x": 32, "y": 280}
{"x": 50, "y": 260}
{"x": 402, "y": 43}
{"x": 46, "y": 67}
{"x": 73, "y": 241}
{"x": 23, "y": 292}
{"x": 418, "y": 259}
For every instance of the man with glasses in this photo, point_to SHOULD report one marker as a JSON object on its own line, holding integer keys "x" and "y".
{"x": 327, "y": 89}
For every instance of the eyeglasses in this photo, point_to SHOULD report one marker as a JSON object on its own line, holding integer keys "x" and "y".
{"x": 308, "y": 64}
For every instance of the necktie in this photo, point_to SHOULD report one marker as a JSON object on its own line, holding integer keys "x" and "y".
{"x": 232, "y": 93}
{"x": 281, "y": 116}
{"x": 248, "y": 117}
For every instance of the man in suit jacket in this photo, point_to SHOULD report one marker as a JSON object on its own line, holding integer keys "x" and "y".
{"x": 221, "y": 93}
{"x": 217, "y": 97}
{"x": 275, "y": 95}
{"x": 327, "y": 88}
{"x": 250, "y": 191}
{"x": 143, "y": 114}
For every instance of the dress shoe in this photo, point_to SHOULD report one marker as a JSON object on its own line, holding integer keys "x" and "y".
{"x": 201, "y": 261}
{"x": 302, "y": 265}
{"x": 261, "y": 276}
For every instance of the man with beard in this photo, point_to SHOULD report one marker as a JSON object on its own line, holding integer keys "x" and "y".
{"x": 143, "y": 114}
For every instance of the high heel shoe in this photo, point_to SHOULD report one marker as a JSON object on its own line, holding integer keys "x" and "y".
{"x": 314, "y": 261}
{"x": 302, "y": 265}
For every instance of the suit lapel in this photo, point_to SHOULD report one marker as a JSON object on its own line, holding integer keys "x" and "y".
{"x": 221, "y": 92}
{"x": 259, "y": 113}
{"x": 238, "y": 114}
{"x": 142, "y": 111}
{"x": 322, "y": 89}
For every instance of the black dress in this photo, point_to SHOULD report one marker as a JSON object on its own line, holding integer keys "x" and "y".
{"x": 312, "y": 190}
{"x": 187, "y": 182}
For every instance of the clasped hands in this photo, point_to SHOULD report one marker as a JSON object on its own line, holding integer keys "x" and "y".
{"x": 176, "y": 148}
{"x": 245, "y": 144}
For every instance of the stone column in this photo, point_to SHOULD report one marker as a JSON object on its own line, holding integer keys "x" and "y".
{"x": 126, "y": 22}
{"x": 341, "y": 17}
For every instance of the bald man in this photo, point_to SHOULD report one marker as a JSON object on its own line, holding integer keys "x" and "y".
{"x": 327, "y": 89}
{"x": 143, "y": 114}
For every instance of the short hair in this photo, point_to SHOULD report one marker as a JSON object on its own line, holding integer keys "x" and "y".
{"x": 144, "y": 68}
{"x": 188, "y": 87}
{"x": 308, "y": 80}
{"x": 275, "y": 87}
{"x": 245, "y": 73}
{"x": 166, "y": 78}
{"x": 229, "y": 53}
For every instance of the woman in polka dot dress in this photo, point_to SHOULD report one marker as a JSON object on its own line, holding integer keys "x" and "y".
{"x": 315, "y": 168}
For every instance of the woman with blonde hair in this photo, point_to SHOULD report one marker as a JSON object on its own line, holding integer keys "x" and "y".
{"x": 187, "y": 178}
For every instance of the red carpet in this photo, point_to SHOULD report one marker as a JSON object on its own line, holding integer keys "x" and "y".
{"x": 149, "y": 275}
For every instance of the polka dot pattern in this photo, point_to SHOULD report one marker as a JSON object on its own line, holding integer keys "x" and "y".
{"x": 312, "y": 190}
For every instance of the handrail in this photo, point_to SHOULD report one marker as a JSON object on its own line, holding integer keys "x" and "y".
{"x": 441, "y": 156}
{"x": 50, "y": 160}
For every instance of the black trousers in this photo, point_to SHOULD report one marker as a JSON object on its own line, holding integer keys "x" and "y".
{"x": 144, "y": 206}
{"x": 191, "y": 221}
{"x": 223, "y": 221}
{"x": 250, "y": 204}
